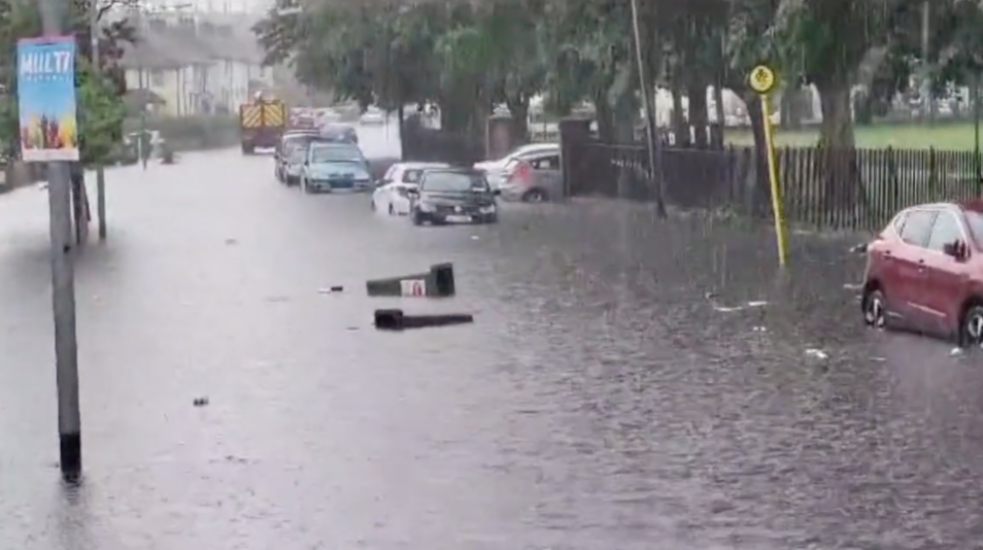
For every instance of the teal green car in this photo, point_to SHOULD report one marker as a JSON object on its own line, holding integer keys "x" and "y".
{"x": 330, "y": 167}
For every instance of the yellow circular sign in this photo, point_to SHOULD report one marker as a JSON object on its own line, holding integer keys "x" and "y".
{"x": 762, "y": 79}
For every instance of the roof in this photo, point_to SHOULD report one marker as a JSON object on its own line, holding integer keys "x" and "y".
{"x": 418, "y": 165}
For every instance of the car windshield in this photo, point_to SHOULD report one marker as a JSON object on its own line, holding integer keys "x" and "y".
{"x": 975, "y": 221}
{"x": 335, "y": 153}
{"x": 455, "y": 182}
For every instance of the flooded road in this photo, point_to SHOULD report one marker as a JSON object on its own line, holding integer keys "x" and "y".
{"x": 615, "y": 392}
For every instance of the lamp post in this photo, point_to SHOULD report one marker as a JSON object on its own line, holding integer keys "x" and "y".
{"x": 645, "y": 86}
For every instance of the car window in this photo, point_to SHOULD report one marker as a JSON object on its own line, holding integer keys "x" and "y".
{"x": 975, "y": 221}
{"x": 551, "y": 162}
{"x": 390, "y": 172}
{"x": 454, "y": 182}
{"x": 917, "y": 227}
{"x": 945, "y": 230}
{"x": 412, "y": 176}
{"x": 335, "y": 153}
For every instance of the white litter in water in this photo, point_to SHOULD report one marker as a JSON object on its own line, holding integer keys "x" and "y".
{"x": 759, "y": 329}
{"x": 852, "y": 286}
{"x": 816, "y": 353}
{"x": 475, "y": 237}
{"x": 749, "y": 305}
{"x": 956, "y": 351}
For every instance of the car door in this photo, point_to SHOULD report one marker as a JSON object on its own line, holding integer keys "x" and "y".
{"x": 906, "y": 273}
{"x": 947, "y": 275}
{"x": 547, "y": 174}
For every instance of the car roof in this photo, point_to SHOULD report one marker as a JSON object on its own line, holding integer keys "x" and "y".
{"x": 418, "y": 165}
{"x": 457, "y": 170}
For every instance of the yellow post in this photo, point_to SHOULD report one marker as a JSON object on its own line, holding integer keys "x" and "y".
{"x": 763, "y": 81}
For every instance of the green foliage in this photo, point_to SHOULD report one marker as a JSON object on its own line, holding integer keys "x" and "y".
{"x": 472, "y": 55}
{"x": 100, "y": 114}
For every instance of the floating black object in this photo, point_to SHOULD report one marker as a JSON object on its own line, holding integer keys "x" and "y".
{"x": 437, "y": 283}
{"x": 395, "y": 319}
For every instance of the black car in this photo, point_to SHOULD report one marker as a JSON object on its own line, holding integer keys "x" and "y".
{"x": 453, "y": 195}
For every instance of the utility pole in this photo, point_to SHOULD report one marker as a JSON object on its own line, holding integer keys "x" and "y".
{"x": 97, "y": 68}
{"x": 645, "y": 85}
{"x": 63, "y": 291}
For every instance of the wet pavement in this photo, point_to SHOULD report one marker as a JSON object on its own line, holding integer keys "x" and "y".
{"x": 616, "y": 392}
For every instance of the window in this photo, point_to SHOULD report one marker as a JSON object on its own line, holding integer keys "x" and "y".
{"x": 546, "y": 163}
{"x": 390, "y": 173}
{"x": 455, "y": 182}
{"x": 946, "y": 230}
{"x": 918, "y": 225}
{"x": 412, "y": 176}
{"x": 156, "y": 78}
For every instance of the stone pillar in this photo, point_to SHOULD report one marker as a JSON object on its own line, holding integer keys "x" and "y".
{"x": 499, "y": 136}
{"x": 574, "y": 134}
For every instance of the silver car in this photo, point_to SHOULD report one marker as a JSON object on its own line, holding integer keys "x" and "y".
{"x": 535, "y": 178}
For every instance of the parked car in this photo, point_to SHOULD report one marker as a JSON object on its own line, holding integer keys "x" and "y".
{"x": 392, "y": 192}
{"x": 536, "y": 178}
{"x": 925, "y": 272}
{"x": 453, "y": 195}
{"x": 339, "y": 132}
{"x": 332, "y": 166}
{"x": 290, "y": 139}
{"x": 373, "y": 116}
{"x": 495, "y": 169}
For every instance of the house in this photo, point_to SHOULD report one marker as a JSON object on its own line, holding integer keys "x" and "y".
{"x": 196, "y": 64}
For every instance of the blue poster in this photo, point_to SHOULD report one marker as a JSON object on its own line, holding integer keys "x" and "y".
{"x": 46, "y": 95}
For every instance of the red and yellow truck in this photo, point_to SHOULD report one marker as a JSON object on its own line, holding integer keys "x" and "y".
{"x": 262, "y": 122}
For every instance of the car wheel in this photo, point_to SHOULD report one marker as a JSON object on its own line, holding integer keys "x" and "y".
{"x": 874, "y": 308}
{"x": 417, "y": 218}
{"x": 971, "y": 327}
{"x": 492, "y": 219}
{"x": 535, "y": 195}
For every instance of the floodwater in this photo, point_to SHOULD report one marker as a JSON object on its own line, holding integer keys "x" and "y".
{"x": 623, "y": 386}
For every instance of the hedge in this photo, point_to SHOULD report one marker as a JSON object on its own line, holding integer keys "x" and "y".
{"x": 191, "y": 133}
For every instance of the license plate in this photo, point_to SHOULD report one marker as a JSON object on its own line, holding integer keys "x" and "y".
{"x": 459, "y": 219}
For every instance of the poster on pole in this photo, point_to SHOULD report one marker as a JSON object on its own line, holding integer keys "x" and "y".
{"x": 46, "y": 97}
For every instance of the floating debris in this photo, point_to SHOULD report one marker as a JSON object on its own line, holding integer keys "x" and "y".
{"x": 816, "y": 353}
{"x": 200, "y": 401}
{"x": 475, "y": 237}
{"x": 956, "y": 351}
{"x": 731, "y": 309}
{"x": 853, "y": 286}
{"x": 331, "y": 289}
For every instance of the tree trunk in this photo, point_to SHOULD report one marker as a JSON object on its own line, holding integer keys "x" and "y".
{"x": 699, "y": 118}
{"x": 625, "y": 133}
{"x": 519, "y": 109}
{"x": 761, "y": 191}
{"x": 605, "y": 119}
{"x": 838, "y": 167}
{"x": 718, "y": 98}
{"x": 680, "y": 128}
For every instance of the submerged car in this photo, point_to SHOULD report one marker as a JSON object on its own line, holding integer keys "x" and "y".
{"x": 291, "y": 140}
{"x": 453, "y": 195}
{"x": 925, "y": 272}
{"x": 332, "y": 167}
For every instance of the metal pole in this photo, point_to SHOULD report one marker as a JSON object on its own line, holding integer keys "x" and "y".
{"x": 143, "y": 120}
{"x": 645, "y": 85}
{"x": 63, "y": 292}
{"x": 97, "y": 69}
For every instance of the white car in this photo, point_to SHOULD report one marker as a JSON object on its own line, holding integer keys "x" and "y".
{"x": 391, "y": 195}
{"x": 373, "y": 116}
{"x": 495, "y": 170}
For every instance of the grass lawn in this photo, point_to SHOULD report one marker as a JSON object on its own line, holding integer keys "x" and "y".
{"x": 945, "y": 137}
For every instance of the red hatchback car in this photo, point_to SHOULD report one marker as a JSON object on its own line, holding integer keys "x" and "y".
{"x": 925, "y": 272}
